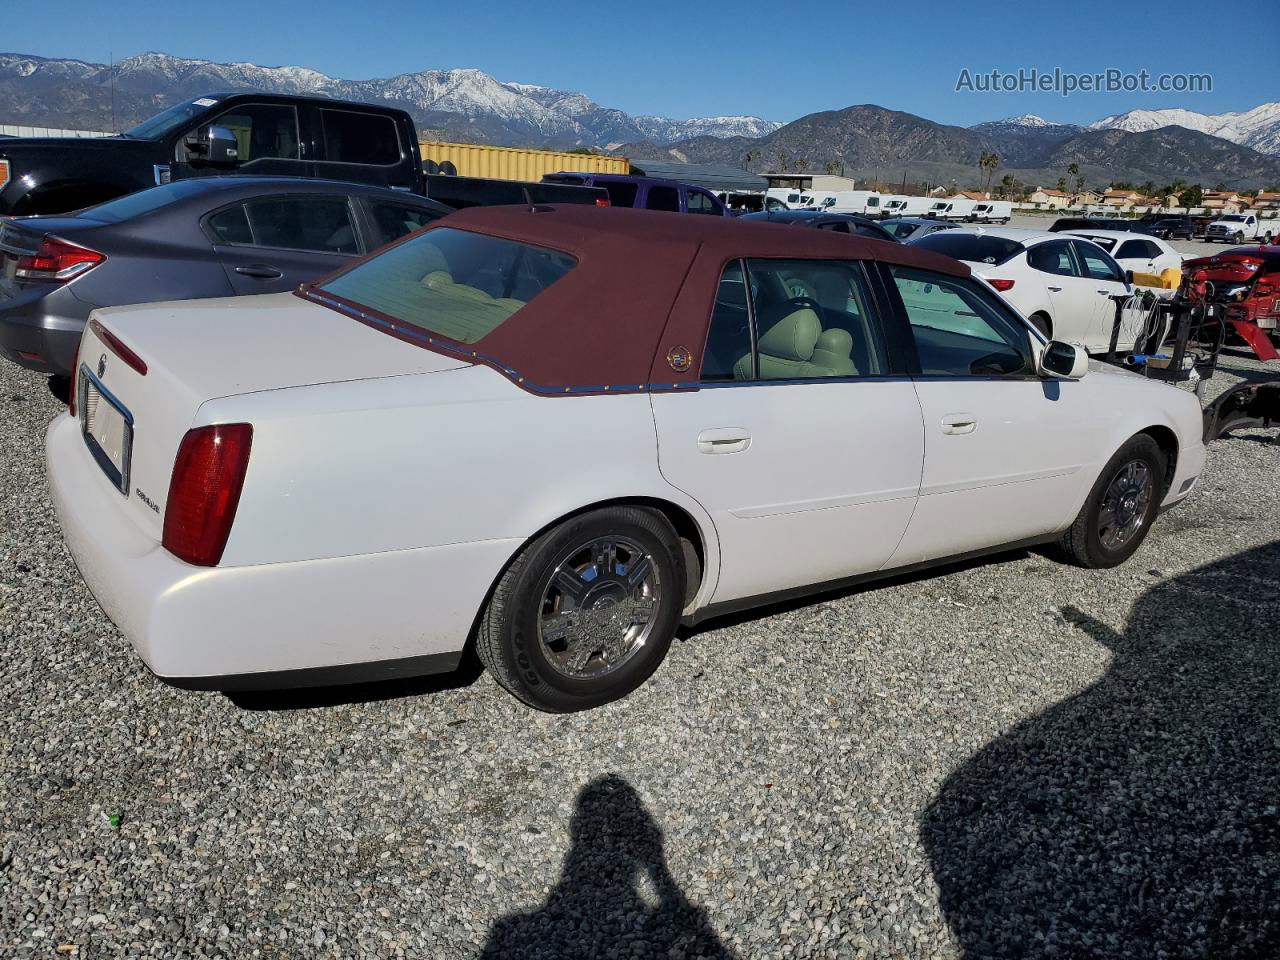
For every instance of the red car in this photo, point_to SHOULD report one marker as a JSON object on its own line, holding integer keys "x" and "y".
{"x": 1247, "y": 280}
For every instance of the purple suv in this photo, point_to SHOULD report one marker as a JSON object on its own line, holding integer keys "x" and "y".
{"x": 647, "y": 193}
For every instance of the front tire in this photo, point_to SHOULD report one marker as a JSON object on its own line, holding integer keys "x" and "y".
{"x": 587, "y": 611}
{"x": 1121, "y": 507}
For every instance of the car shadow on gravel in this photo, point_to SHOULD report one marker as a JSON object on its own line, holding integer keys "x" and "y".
{"x": 615, "y": 897}
{"x": 1140, "y": 818}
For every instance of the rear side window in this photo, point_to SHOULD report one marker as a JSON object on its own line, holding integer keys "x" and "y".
{"x": 809, "y": 319}
{"x": 973, "y": 247}
{"x": 663, "y": 198}
{"x": 454, "y": 283}
{"x": 231, "y": 225}
{"x": 1052, "y": 257}
{"x": 621, "y": 193}
{"x": 395, "y": 220}
{"x": 366, "y": 138}
{"x": 320, "y": 224}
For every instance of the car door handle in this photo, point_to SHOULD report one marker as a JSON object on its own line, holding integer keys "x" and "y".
{"x": 724, "y": 440}
{"x": 958, "y": 423}
{"x": 262, "y": 271}
{"x": 1056, "y": 289}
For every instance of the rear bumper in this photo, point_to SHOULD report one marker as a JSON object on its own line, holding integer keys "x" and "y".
{"x": 271, "y": 625}
{"x": 44, "y": 325}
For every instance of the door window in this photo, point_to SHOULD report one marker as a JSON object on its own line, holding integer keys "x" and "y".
{"x": 621, "y": 193}
{"x": 353, "y": 137}
{"x": 959, "y": 331}
{"x": 322, "y": 224}
{"x": 1097, "y": 265}
{"x": 1052, "y": 257}
{"x": 262, "y": 131}
{"x": 395, "y": 220}
{"x": 699, "y": 202}
{"x": 807, "y": 319}
{"x": 663, "y": 198}
{"x": 1137, "y": 250}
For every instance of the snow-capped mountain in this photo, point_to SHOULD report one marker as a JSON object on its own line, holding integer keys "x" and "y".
{"x": 1258, "y": 128}
{"x": 466, "y": 102}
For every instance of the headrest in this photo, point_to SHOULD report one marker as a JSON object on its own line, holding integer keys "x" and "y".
{"x": 835, "y": 340}
{"x": 793, "y": 337}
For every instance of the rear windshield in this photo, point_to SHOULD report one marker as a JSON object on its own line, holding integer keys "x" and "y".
{"x": 973, "y": 247}
{"x": 453, "y": 283}
{"x": 144, "y": 201}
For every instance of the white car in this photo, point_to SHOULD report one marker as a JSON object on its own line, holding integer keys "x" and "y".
{"x": 1064, "y": 285}
{"x": 1135, "y": 251}
{"x": 557, "y": 432}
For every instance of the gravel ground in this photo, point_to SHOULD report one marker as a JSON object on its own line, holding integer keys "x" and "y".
{"x": 1012, "y": 758}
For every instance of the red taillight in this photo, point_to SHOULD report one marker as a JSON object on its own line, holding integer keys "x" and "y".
{"x": 1001, "y": 285}
{"x": 602, "y": 201}
{"x": 116, "y": 346}
{"x": 58, "y": 260}
{"x": 204, "y": 492}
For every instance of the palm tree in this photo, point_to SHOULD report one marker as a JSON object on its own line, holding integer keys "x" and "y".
{"x": 1072, "y": 170}
{"x": 987, "y": 163}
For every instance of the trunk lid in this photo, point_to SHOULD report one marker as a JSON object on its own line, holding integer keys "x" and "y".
{"x": 195, "y": 351}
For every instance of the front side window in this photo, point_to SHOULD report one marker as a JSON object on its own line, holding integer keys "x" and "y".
{"x": 958, "y": 330}
{"x": 354, "y": 137}
{"x": 697, "y": 202}
{"x": 396, "y": 220}
{"x": 262, "y": 131}
{"x": 454, "y": 283}
{"x": 809, "y": 319}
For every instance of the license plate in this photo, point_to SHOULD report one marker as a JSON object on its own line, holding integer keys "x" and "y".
{"x": 107, "y": 428}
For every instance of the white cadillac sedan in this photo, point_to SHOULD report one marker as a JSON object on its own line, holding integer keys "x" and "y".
{"x": 557, "y": 433}
{"x": 1064, "y": 285}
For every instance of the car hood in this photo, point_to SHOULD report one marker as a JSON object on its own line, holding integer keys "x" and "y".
{"x": 223, "y": 347}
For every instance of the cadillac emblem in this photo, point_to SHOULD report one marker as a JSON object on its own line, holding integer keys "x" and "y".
{"x": 680, "y": 359}
{"x": 102, "y": 366}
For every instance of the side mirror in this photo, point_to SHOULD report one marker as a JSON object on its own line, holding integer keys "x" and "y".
{"x": 1128, "y": 277}
{"x": 1065, "y": 361}
{"x": 216, "y": 145}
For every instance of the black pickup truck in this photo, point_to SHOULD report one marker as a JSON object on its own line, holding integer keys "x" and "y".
{"x": 245, "y": 133}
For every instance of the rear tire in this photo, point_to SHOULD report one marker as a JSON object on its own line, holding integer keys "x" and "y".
{"x": 1121, "y": 507}
{"x": 587, "y": 611}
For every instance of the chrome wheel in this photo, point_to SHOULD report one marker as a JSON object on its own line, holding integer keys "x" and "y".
{"x": 599, "y": 606}
{"x": 1125, "y": 504}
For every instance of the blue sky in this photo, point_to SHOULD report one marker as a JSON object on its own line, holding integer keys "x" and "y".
{"x": 694, "y": 59}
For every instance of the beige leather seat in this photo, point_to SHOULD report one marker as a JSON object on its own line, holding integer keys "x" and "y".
{"x": 796, "y": 347}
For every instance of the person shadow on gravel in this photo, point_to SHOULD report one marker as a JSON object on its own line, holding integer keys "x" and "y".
{"x": 1140, "y": 818}
{"x": 598, "y": 909}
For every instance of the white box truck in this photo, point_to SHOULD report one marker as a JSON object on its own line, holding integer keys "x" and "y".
{"x": 991, "y": 211}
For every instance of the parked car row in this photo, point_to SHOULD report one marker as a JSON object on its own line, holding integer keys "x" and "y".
{"x": 210, "y": 435}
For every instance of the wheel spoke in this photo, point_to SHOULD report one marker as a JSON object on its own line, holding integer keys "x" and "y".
{"x": 1107, "y": 516}
{"x": 557, "y": 626}
{"x": 581, "y": 650}
{"x": 604, "y": 554}
{"x": 638, "y": 571}
{"x": 571, "y": 585}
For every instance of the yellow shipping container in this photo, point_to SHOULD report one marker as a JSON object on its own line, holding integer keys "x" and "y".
{"x": 515, "y": 163}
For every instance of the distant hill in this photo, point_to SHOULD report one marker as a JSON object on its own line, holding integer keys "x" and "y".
{"x": 458, "y": 104}
{"x": 870, "y": 141}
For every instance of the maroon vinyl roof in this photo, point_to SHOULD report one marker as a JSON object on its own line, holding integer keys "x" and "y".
{"x": 645, "y": 284}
